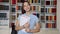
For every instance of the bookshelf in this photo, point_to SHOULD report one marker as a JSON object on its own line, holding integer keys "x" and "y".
{"x": 4, "y": 9}
{"x": 4, "y": 16}
{"x": 44, "y": 9}
{"x": 48, "y": 8}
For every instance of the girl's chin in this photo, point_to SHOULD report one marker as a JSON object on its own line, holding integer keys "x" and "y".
{"x": 27, "y": 10}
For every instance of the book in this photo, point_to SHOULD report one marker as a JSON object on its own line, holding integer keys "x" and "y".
{"x": 53, "y": 10}
{"x": 33, "y": 8}
{"x": 42, "y": 17}
{"x": 42, "y": 10}
{"x": 53, "y": 25}
{"x": 55, "y": 18}
{"x": 6, "y": 7}
{"x": 47, "y": 17}
{"x": 42, "y": 2}
{"x": 13, "y": 9}
{"x": 39, "y": 8}
{"x": 13, "y": 1}
{"x": 48, "y": 25}
{"x": 13, "y": 17}
{"x": 47, "y": 2}
{"x": 5, "y": 0}
{"x": 1, "y": 7}
{"x": 49, "y": 10}
{"x": 46, "y": 10}
{"x": 54, "y": 2}
{"x": 3, "y": 15}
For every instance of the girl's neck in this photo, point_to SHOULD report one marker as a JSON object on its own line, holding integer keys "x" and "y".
{"x": 28, "y": 13}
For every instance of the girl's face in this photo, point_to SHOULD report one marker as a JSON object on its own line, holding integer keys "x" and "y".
{"x": 26, "y": 6}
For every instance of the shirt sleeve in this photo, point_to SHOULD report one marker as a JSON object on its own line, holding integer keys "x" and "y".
{"x": 19, "y": 17}
{"x": 37, "y": 20}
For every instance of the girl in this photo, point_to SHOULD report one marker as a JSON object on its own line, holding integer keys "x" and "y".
{"x": 34, "y": 22}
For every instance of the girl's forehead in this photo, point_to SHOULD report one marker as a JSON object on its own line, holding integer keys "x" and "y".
{"x": 25, "y": 3}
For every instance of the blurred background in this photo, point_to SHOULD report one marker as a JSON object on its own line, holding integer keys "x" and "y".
{"x": 46, "y": 10}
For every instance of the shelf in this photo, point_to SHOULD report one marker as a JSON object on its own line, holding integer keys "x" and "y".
{"x": 3, "y": 18}
{"x": 35, "y": 4}
{"x": 45, "y": 10}
{"x": 4, "y": 11}
{"x": 19, "y": 4}
{"x": 49, "y": 14}
{"x": 4, "y": 3}
{"x": 50, "y": 6}
{"x": 50, "y": 21}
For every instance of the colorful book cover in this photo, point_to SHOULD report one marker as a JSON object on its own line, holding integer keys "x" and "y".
{"x": 13, "y": 1}
{"x": 49, "y": 10}
{"x": 54, "y": 2}
{"x": 53, "y": 25}
{"x": 53, "y": 10}
{"x": 42, "y": 17}
{"x": 48, "y": 25}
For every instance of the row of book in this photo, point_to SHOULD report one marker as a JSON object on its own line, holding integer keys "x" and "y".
{"x": 48, "y": 2}
{"x": 21, "y": 1}
{"x": 33, "y": 8}
{"x": 3, "y": 15}
{"x": 50, "y": 25}
{"x": 48, "y": 18}
{"x": 48, "y": 10}
{"x": 4, "y": 7}
{"x": 4, "y": 0}
{"x": 38, "y": 8}
{"x": 13, "y": 17}
{"x": 31, "y": 1}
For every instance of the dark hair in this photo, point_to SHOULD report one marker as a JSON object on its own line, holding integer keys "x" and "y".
{"x": 23, "y": 11}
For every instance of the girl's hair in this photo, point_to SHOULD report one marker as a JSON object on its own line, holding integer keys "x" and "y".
{"x": 23, "y": 11}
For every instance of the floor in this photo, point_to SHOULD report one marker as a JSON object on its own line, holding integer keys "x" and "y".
{"x": 48, "y": 31}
